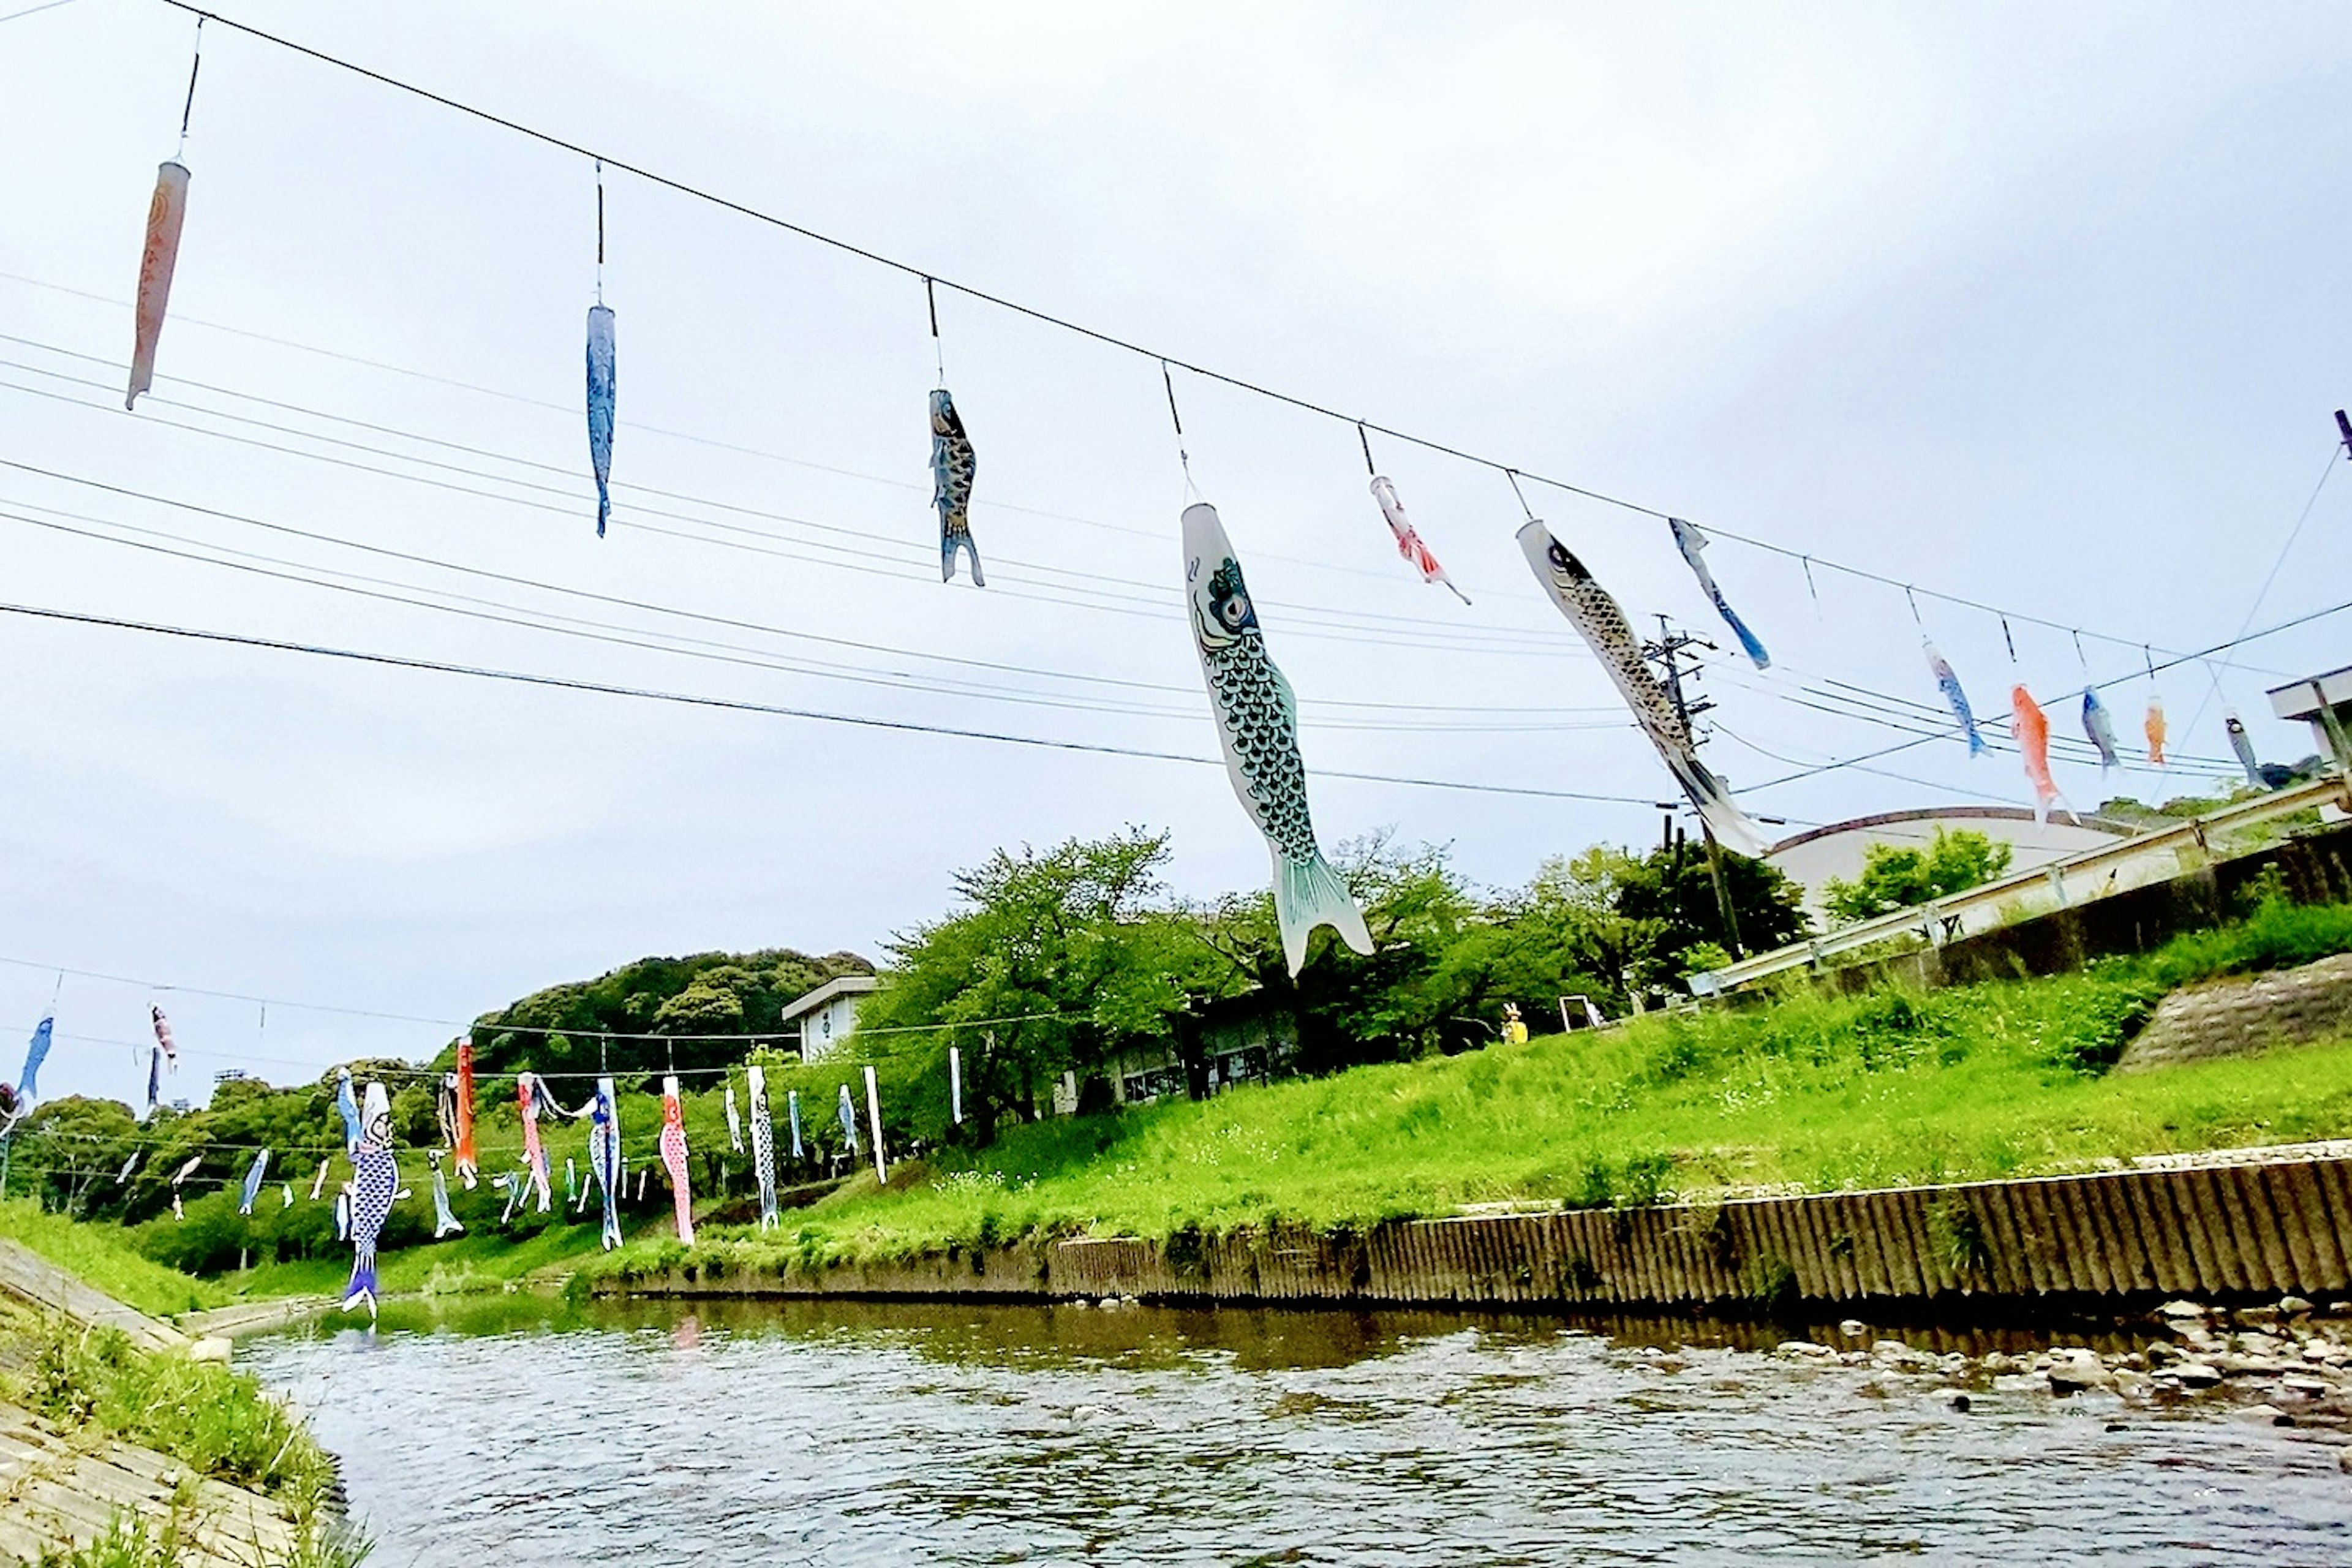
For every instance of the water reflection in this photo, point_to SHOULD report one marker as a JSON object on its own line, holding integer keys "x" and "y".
{"x": 538, "y": 1432}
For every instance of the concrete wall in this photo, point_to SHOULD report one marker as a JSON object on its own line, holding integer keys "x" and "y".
{"x": 2253, "y": 1231}
{"x": 2235, "y": 1017}
{"x": 2316, "y": 869}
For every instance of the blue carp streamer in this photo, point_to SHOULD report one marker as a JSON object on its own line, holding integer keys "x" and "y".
{"x": 1693, "y": 544}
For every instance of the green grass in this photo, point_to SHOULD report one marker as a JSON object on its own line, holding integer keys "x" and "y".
{"x": 1806, "y": 1092}
{"x": 106, "y": 1256}
{"x": 477, "y": 1261}
{"x": 216, "y": 1422}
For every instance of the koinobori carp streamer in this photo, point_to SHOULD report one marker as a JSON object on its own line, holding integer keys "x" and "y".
{"x": 1257, "y": 728}
{"x": 1596, "y": 616}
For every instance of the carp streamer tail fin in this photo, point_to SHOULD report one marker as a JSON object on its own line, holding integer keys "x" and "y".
{"x": 1309, "y": 893}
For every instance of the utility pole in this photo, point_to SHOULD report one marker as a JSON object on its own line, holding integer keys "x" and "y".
{"x": 1667, "y": 654}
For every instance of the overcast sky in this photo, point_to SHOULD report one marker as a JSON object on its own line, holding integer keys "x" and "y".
{"x": 2042, "y": 307}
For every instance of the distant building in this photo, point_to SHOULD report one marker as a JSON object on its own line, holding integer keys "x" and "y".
{"x": 230, "y": 1074}
{"x": 2324, "y": 703}
{"x": 1239, "y": 1039}
{"x": 1811, "y": 860}
{"x": 828, "y": 1014}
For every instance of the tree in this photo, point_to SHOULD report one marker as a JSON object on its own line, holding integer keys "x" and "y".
{"x": 1669, "y": 898}
{"x": 585, "y": 1025}
{"x": 1900, "y": 877}
{"x": 1057, "y": 959}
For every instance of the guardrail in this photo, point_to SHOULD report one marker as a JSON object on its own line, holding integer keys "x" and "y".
{"x": 2156, "y": 855}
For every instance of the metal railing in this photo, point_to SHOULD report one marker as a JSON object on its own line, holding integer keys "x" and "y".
{"x": 2156, "y": 856}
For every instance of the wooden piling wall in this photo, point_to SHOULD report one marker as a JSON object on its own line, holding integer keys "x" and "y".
{"x": 2246, "y": 1231}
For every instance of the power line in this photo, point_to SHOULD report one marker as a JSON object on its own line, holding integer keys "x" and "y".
{"x": 1311, "y": 621}
{"x": 2205, "y": 698}
{"x": 931, "y": 278}
{"x": 2118, "y": 680}
{"x": 568, "y": 683}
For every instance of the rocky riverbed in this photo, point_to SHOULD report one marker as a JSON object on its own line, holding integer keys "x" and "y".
{"x": 2289, "y": 1363}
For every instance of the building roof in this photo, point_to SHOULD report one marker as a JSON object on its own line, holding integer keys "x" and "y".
{"x": 843, "y": 985}
{"x": 1945, "y": 813}
{"x": 2303, "y": 699}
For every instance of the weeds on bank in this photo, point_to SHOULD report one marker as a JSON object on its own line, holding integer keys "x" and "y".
{"x": 1801, "y": 1090}
{"x": 106, "y": 1256}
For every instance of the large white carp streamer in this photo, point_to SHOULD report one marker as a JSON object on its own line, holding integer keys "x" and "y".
{"x": 1257, "y": 725}
{"x": 166, "y": 211}
{"x": 444, "y": 1222}
{"x": 1595, "y": 615}
{"x": 763, "y": 1147}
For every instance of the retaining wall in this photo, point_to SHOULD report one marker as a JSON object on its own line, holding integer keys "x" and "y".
{"x": 2246, "y": 1231}
{"x": 2316, "y": 868}
{"x": 2237, "y": 1017}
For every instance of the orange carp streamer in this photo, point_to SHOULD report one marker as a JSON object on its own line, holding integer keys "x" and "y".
{"x": 2156, "y": 728}
{"x": 2031, "y": 728}
{"x": 165, "y": 213}
{"x": 468, "y": 1166}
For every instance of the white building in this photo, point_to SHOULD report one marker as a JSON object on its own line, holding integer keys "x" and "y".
{"x": 828, "y": 1014}
{"x": 1811, "y": 860}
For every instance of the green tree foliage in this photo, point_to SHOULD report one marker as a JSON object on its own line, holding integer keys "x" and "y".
{"x": 1058, "y": 960}
{"x": 558, "y": 1030}
{"x": 1897, "y": 876}
{"x": 1668, "y": 897}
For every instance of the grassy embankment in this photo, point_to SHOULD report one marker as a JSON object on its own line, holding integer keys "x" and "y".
{"x": 217, "y": 1423}
{"x": 106, "y": 1256}
{"x": 1806, "y": 1092}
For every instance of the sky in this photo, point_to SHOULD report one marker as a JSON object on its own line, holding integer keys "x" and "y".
{"x": 2037, "y": 307}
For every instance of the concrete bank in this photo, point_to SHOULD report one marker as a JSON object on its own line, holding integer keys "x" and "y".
{"x": 61, "y": 1490}
{"x": 2248, "y": 1231}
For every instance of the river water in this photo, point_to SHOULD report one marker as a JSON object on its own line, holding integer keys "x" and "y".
{"x": 515, "y": 1431}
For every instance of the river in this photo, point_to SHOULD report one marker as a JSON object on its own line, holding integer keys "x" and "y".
{"x": 514, "y": 1431}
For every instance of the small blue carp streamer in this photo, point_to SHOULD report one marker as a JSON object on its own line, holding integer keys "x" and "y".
{"x": 763, "y": 1147}
{"x": 604, "y": 1156}
{"x": 1599, "y": 620}
{"x": 444, "y": 1222}
{"x": 253, "y": 1175}
{"x": 376, "y": 1181}
{"x": 2243, "y": 745}
{"x": 2101, "y": 730}
{"x": 35, "y": 1055}
{"x": 847, "y": 1116}
{"x": 1257, "y": 726}
{"x": 155, "y": 1077}
{"x": 792, "y": 1109}
{"x": 1949, "y": 685}
{"x": 350, "y": 1108}
{"x": 1693, "y": 544}
{"x": 600, "y": 410}
{"x": 954, "y": 464}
